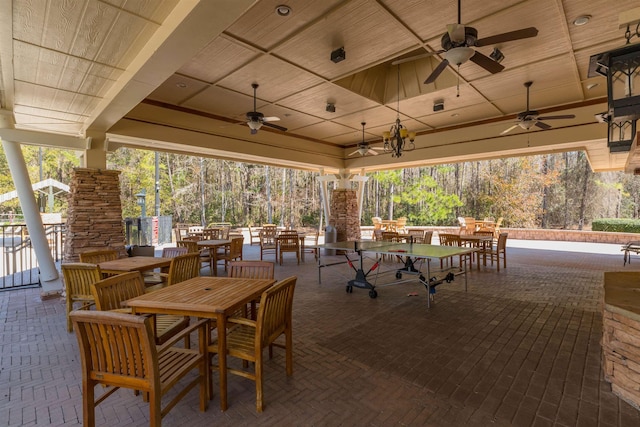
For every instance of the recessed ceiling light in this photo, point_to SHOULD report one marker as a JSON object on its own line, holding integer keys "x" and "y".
{"x": 283, "y": 10}
{"x": 181, "y": 85}
{"x": 581, "y": 20}
{"x": 592, "y": 85}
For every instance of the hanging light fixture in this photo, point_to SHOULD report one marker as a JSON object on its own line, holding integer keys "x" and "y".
{"x": 395, "y": 140}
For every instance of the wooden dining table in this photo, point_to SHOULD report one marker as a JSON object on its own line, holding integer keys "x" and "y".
{"x": 205, "y": 297}
{"x": 213, "y": 246}
{"x": 134, "y": 263}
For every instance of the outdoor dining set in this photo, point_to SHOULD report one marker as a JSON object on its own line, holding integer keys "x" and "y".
{"x": 135, "y": 319}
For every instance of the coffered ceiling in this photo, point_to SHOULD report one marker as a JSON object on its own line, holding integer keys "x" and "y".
{"x": 176, "y": 75}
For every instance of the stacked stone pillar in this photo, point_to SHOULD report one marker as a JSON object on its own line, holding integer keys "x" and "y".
{"x": 94, "y": 220}
{"x": 345, "y": 214}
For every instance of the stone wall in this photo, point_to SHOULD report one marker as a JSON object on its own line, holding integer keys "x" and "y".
{"x": 621, "y": 335}
{"x": 94, "y": 219}
{"x": 344, "y": 214}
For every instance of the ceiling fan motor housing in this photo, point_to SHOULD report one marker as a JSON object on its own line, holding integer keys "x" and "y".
{"x": 470, "y": 37}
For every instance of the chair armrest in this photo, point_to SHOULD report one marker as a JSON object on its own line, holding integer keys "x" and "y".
{"x": 199, "y": 324}
{"x": 242, "y": 321}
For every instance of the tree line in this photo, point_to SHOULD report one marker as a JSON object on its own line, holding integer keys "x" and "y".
{"x": 544, "y": 191}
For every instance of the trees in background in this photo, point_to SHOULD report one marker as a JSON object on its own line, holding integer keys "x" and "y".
{"x": 553, "y": 190}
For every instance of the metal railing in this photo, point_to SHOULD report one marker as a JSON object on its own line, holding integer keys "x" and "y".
{"x": 19, "y": 265}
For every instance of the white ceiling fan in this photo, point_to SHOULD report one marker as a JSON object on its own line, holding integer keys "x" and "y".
{"x": 364, "y": 148}
{"x": 530, "y": 118}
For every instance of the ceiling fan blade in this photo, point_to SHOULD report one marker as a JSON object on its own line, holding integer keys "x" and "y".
{"x": 566, "y": 116}
{"x": 439, "y": 69}
{"x": 271, "y": 125}
{"x": 508, "y": 130}
{"x": 524, "y": 33}
{"x": 542, "y": 125}
{"x": 351, "y": 154}
{"x": 372, "y": 151}
{"x": 416, "y": 57}
{"x": 271, "y": 119}
{"x": 487, "y": 63}
{"x": 456, "y": 32}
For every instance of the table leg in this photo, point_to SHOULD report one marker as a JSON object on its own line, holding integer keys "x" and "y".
{"x": 222, "y": 358}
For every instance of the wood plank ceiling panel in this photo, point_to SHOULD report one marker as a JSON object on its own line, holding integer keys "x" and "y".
{"x": 361, "y": 26}
{"x": 262, "y": 27}
{"x": 221, "y": 57}
{"x": 277, "y": 79}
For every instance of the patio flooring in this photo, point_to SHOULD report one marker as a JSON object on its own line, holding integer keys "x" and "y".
{"x": 521, "y": 347}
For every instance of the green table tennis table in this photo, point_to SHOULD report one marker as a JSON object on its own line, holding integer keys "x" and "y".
{"x": 414, "y": 256}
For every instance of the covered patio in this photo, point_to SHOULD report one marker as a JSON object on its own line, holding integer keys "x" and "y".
{"x": 521, "y": 347}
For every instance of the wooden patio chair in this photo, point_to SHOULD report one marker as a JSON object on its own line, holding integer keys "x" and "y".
{"x": 401, "y": 224}
{"x": 470, "y": 225}
{"x": 191, "y": 245}
{"x": 268, "y": 243}
{"x": 153, "y": 278}
{"x": 447, "y": 239}
{"x": 251, "y": 270}
{"x": 428, "y": 236}
{"x": 110, "y": 293}
{"x": 254, "y": 235}
{"x": 183, "y": 267}
{"x": 118, "y": 350}
{"x": 212, "y": 234}
{"x": 500, "y": 251}
{"x": 288, "y": 241}
{"x": 78, "y": 278}
{"x": 232, "y": 253}
{"x": 96, "y": 257}
{"x": 377, "y": 223}
{"x": 417, "y": 235}
{"x": 247, "y": 340}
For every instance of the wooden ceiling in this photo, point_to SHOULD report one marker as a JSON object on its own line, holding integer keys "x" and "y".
{"x": 177, "y": 76}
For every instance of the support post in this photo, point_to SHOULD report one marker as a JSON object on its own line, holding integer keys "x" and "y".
{"x": 49, "y": 276}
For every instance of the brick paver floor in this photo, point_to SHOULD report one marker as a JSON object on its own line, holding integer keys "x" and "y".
{"x": 520, "y": 347}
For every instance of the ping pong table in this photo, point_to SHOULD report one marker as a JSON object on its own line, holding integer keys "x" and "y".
{"x": 413, "y": 255}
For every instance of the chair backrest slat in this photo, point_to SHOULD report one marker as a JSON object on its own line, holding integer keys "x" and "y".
{"x": 96, "y": 257}
{"x": 274, "y": 314}
{"x": 109, "y": 293}
{"x": 79, "y": 276}
{"x": 252, "y": 269}
{"x": 184, "y": 267}
{"x": 117, "y": 347}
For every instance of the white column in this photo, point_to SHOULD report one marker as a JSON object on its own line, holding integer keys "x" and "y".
{"x": 362, "y": 178}
{"x": 325, "y": 195}
{"x": 49, "y": 277}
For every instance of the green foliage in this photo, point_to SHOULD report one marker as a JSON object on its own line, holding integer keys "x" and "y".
{"x": 620, "y": 225}
{"x": 436, "y": 206}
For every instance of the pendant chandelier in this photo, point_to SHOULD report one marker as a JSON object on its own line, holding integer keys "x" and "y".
{"x": 398, "y": 139}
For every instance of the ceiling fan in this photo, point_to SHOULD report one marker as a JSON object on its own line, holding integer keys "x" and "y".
{"x": 529, "y": 118}
{"x": 364, "y": 148}
{"x": 458, "y": 42}
{"x": 255, "y": 119}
